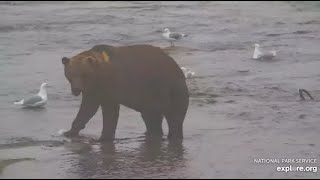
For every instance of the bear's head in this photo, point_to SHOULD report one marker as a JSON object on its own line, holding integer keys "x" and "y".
{"x": 82, "y": 71}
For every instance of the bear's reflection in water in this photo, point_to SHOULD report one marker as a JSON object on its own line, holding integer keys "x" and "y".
{"x": 150, "y": 158}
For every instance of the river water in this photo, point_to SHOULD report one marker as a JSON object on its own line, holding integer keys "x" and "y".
{"x": 240, "y": 109}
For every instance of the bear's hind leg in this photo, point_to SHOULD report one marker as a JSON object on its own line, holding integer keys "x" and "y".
{"x": 177, "y": 110}
{"x": 175, "y": 123}
{"x": 175, "y": 118}
{"x": 153, "y": 123}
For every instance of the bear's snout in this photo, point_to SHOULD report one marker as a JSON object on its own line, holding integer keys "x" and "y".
{"x": 76, "y": 91}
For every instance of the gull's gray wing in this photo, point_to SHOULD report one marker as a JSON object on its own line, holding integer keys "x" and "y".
{"x": 175, "y": 35}
{"x": 32, "y": 100}
{"x": 267, "y": 56}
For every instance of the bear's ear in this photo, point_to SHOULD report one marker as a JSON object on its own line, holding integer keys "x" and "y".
{"x": 65, "y": 60}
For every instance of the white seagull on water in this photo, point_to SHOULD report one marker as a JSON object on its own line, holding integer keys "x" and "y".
{"x": 258, "y": 54}
{"x": 172, "y": 36}
{"x": 37, "y": 100}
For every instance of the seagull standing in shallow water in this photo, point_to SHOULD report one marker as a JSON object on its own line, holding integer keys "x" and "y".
{"x": 38, "y": 100}
{"x": 172, "y": 36}
{"x": 258, "y": 54}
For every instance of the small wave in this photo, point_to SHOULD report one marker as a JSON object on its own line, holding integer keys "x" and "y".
{"x": 26, "y": 142}
{"x": 4, "y": 95}
{"x": 7, "y": 162}
{"x": 7, "y": 3}
{"x": 25, "y": 27}
{"x": 275, "y": 35}
{"x": 201, "y": 94}
{"x": 280, "y": 23}
{"x": 302, "y": 32}
{"x": 223, "y": 47}
{"x": 295, "y": 32}
{"x": 309, "y": 22}
{"x": 125, "y": 7}
{"x": 10, "y": 28}
{"x": 152, "y": 8}
{"x": 203, "y": 98}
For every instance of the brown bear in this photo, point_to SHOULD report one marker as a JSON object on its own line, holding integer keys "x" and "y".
{"x": 141, "y": 77}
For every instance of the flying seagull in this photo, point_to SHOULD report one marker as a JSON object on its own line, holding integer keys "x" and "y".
{"x": 37, "y": 100}
{"x": 172, "y": 36}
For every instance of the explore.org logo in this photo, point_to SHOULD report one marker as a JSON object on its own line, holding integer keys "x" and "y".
{"x": 290, "y": 168}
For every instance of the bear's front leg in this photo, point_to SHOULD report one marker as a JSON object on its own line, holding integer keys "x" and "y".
{"x": 89, "y": 106}
{"x": 110, "y": 113}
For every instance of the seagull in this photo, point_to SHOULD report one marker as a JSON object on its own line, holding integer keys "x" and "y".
{"x": 187, "y": 73}
{"x": 37, "y": 100}
{"x": 258, "y": 54}
{"x": 172, "y": 36}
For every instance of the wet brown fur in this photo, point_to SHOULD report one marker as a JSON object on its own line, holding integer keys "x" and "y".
{"x": 141, "y": 77}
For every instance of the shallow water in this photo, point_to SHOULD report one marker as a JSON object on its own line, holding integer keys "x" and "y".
{"x": 240, "y": 109}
